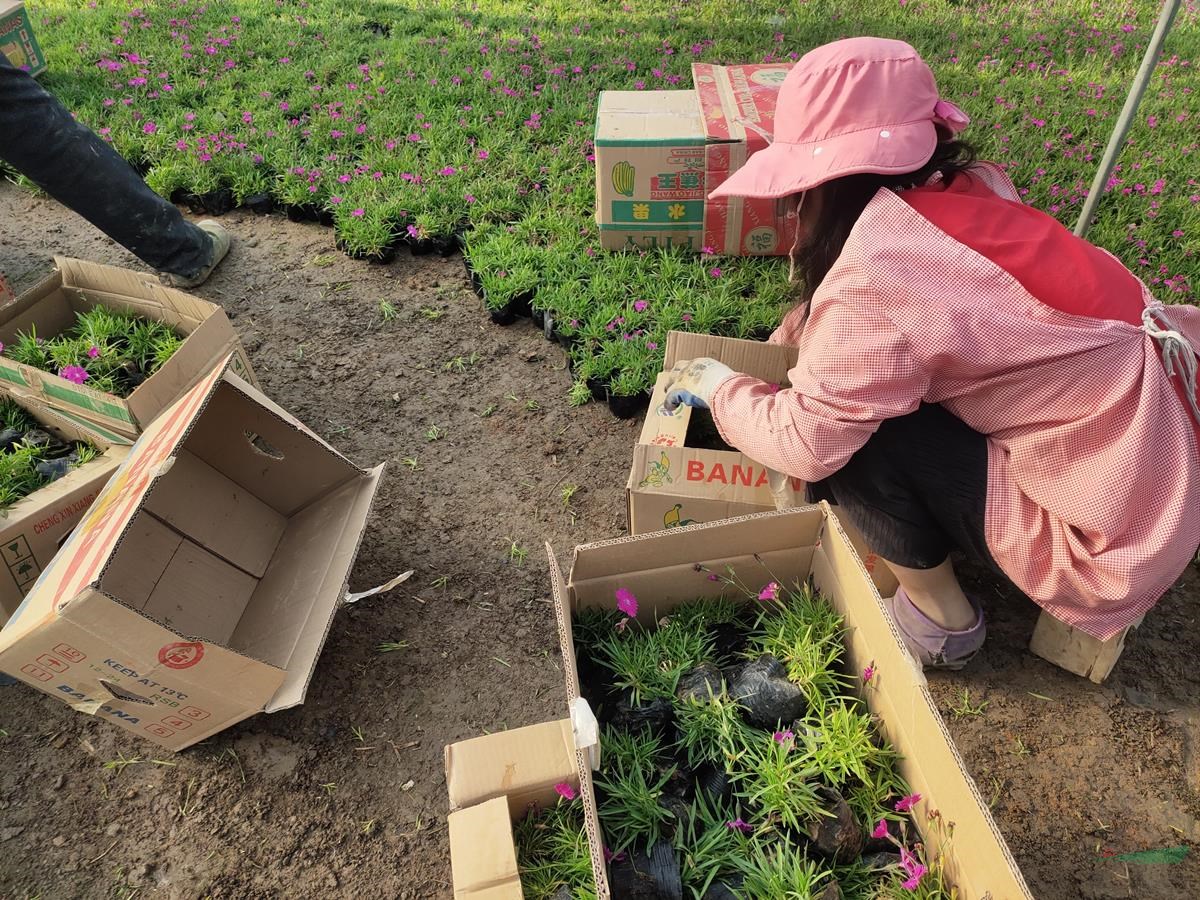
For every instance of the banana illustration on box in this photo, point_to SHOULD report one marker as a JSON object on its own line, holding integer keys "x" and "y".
{"x": 658, "y": 473}
{"x": 674, "y": 517}
{"x": 623, "y": 178}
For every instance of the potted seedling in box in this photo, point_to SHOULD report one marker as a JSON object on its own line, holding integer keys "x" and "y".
{"x": 106, "y": 350}
{"x": 552, "y": 851}
{"x": 737, "y": 761}
{"x": 31, "y": 457}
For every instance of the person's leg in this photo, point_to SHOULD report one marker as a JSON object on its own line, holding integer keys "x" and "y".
{"x": 40, "y": 139}
{"x": 917, "y": 490}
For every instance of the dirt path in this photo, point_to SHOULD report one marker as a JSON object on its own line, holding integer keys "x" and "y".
{"x": 344, "y": 796}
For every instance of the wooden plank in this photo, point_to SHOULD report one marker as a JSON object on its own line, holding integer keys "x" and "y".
{"x": 1077, "y": 652}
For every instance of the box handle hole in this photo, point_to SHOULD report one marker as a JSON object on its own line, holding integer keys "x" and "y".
{"x": 262, "y": 446}
{"x": 122, "y": 694}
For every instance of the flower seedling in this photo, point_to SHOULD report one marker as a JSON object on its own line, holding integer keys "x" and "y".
{"x": 434, "y": 433}
{"x": 552, "y": 850}
{"x": 387, "y": 311}
{"x": 758, "y": 810}
{"x": 108, "y": 351}
{"x": 30, "y": 457}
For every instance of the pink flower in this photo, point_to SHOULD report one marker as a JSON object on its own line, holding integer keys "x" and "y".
{"x": 738, "y": 825}
{"x": 715, "y": 272}
{"x": 707, "y": 250}
{"x": 626, "y": 602}
{"x": 869, "y": 672}
{"x": 650, "y": 345}
{"x": 565, "y": 791}
{"x": 640, "y": 305}
{"x": 149, "y": 128}
{"x": 904, "y": 804}
{"x": 609, "y": 856}
{"x": 770, "y": 592}
{"x": 76, "y": 374}
{"x": 912, "y": 868}
{"x": 93, "y": 351}
{"x": 1, "y": 346}
{"x": 358, "y": 213}
{"x": 881, "y": 830}
{"x": 782, "y": 737}
{"x": 448, "y": 170}
{"x": 483, "y": 154}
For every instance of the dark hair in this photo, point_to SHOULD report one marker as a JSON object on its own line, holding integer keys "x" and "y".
{"x": 836, "y": 206}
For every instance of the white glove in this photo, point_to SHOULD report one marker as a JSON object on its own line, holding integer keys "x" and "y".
{"x": 781, "y": 490}
{"x": 693, "y": 382}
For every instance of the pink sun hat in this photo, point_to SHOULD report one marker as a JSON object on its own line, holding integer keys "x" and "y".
{"x": 857, "y": 105}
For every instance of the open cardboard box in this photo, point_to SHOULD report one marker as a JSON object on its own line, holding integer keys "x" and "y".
{"x": 672, "y": 484}
{"x": 796, "y": 545}
{"x": 76, "y": 286}
{"x": 492, "y": 781}
{"x": 200, "y": 586}
{"x": 33, "y": 528}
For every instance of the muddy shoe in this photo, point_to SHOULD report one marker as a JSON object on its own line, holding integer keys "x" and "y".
{"x": 932, "y": 645}
{"x": 220, "y": 246}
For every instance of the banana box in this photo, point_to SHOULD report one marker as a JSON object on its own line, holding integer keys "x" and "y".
{"x": 17, "y": 41}
{"x": 659, "y": 154}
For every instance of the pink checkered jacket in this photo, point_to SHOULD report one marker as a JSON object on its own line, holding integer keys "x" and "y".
{"x": 1093, "y": 459}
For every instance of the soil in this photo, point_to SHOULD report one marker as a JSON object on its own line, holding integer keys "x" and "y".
{"x": 345, "y": 795}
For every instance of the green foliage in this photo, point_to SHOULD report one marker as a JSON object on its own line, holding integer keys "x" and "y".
{"x": 552, "y": 852}
{"x": 106, "y": 344}
{"x": 778, "y": 783}
{"x": 781, "y": 871}
{"x": 630, "y": 811}
{"x": 649, "y": 663}
{"x": 805, "y": 633}
{"x": 19, "y": 476}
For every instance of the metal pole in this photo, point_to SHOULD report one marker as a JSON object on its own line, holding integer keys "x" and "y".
{"x": 1117, "y": 142}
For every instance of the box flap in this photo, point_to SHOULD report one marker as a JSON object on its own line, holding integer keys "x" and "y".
{"x": 909, "y": 719}
{"x": 523, "y": 765}
{"x": 483, "y": 857}
{"x": 737, "y": 103}
{"x": 566, "y": 641}
{"x": 331, "y": 543}
{"x": 767, "y": 362}
{"x": 91, "y": 544}
{"x": 633, "y": 118}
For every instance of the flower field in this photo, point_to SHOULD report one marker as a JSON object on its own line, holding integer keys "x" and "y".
{"x": 407, "y": 122}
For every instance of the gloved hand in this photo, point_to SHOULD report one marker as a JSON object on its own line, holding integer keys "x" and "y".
{"x": 693, "y": 382}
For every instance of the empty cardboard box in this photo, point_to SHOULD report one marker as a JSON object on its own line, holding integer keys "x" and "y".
{"x": 50, "y": 307}
{"x": 796, "y": 545}
{"x": 33, "y": 528}
{"x": 200, "y": 586}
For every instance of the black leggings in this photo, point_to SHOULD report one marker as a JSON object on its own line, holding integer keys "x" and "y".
{"x": 916, "y": 490}
{"x": 73, "y": 165}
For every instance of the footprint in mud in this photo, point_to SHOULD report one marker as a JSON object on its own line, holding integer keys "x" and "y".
{"x": 272, "y": 757}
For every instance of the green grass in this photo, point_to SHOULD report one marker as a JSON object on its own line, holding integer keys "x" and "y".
{"x": 19, "y": 475}
{"x": 430, "y": 119}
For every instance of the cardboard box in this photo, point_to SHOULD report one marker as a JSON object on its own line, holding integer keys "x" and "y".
{"x": 672, "y": 484}
{"x": 795, "y": 545}
{"x": 17, "y": 41}
{"x": 199, "y": 588}
{"x": 493, "y": 781}
{"x": 650, "y": 170}
{"x": 33, "y": 528}
{"x": 659, "y": 153}
{"x": 737, "y": 104}
{"x": 76, "y": 286}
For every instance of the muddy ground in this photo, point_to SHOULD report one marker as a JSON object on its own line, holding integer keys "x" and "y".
{"x": 345, "y": 796}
